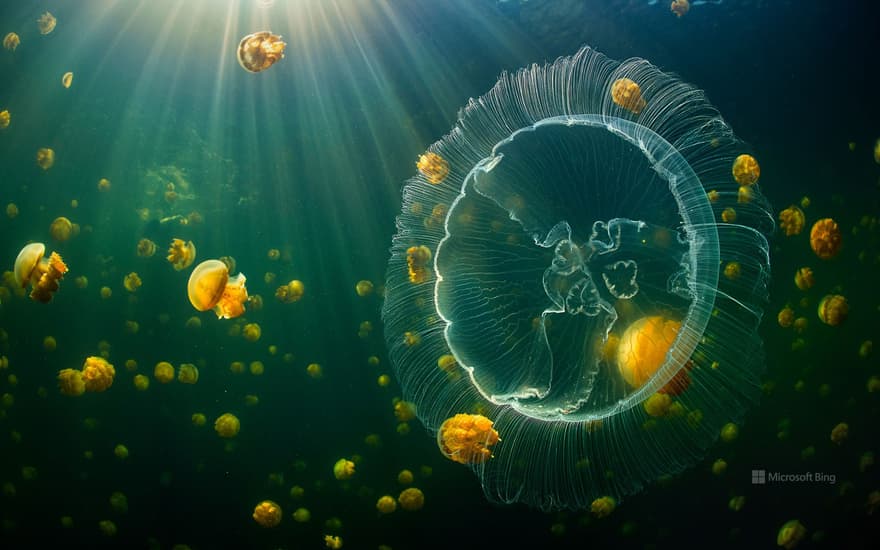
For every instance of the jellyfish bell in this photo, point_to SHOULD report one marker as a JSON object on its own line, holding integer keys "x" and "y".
{"x": 211, "y": 287}
{"x": 259, "y": 51}
{"x": 43, "y": 274}
{"x": 26, "y": 262}
{"x": 545, "y": 282}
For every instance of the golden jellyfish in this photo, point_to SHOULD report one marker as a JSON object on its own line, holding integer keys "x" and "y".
{"x": 103, "y": 183}
{"x": 181, "y": 254}
{"x": 46, "y": 23}
{"x": 658, "y": 405}
{"x": 417, "y": 258}
{"x": 67, "y": 79}
{"x": 211, "y": 287}
{"x": 61, "y": 229}
{"x": 411, "y": 499}
{"x": 259, "y": 51}
{"x": 132, "y": 282}
{"x": 120, "y": 451}
{"x": 825, "y": 238}
{"x": 746, "y": 170}
{"x": 833, "y": 309}
{"x": 5, "y": 119}
{"x": 386, "y": 504}
{"x": 291, "y": 292}
{"x": 11, "y": 208}
{"x": 466, "y": 438}
{"x": 146, "y": 248}
{"x": 43, "y": 274}
{"x": 627, "y": 94}
{"x": 267, "y": 514}
{"x": 97, "y": 374}
{"x": 363, "y": 288}
{"x": 791, "y": 534}
{"x": 732, "y": 270}
{"x": 603, "y": 506}
{"x": 106, "y": 292}
{"x": 11, "y": 41}
{"x": 198, "y": 419}
{"x": 785, "y": 318}
{"x": 49, "y": 343}
{"x": 791, "y": 221}
{"x": 45, "y": 158}
{"x": 433, "y": 167}
{"x": 302, "y": 515}
{"x": 251, "y": 332}
{"x": 333, "y": 542}
{"x": 643, "y": 346}
{"x": 274, "y": 254}
{"x": 343, "y": 469}
{"x": 803, "y": 278}
{"x": 680, "y": 7}
{"x": 227, "y": 425}
{"x": 314, "y": 370}
{"x": 163, "y": 372}
{"x": 728, "y": 215}
{"x": 404, "y": 411}
{"x": 405, "y": 477}
{"x": 188, "y": 374}
{"x": 70, "y": 382}
{"x": 141, "y": 382}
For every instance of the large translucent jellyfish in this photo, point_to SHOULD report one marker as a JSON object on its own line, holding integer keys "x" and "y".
{"x": 572, "y": 292}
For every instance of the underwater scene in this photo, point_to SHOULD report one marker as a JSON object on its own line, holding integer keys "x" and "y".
{"x": 411, "y": 274}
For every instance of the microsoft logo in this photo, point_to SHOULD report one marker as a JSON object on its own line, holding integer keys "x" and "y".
{"x": 759, "y": 477}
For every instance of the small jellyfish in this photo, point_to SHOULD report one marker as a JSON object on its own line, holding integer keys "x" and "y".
{"x": 46, "y": 23}
{"x": 433, "y": 167}
{"x": 386, "y": 504}
{"x": 181, "y": 254}
{"x": 785, "y": 318}
{"x": 211, "y": 287}
{"x": 11, "y": 41}
{"x": 833, "y": 309}
{"x": 67, "y": 79}
{"x": 603, "y": 506}
{"x": 746, "y": 170}
{"x": 333, "y": 542}
{"x": 251, "y": 332}
{"x": 363, "y": 288}
{"x": 314, "y": 370}
{"x": 132, "y": 282}
{"x": 680, "y": 7}
{"x": 825, "y": 238}
{"x": 120, "y": 451}
{"x": 146, "y": 248}
{"x": 227, "y": 425}
{"x": 628, "y": 94}
{"x": 803, "y": 278}
{"x": 97, "y": 374}
{"x": 417, "y": 258}
{"x": 70, "y": 382}
{"x": 141, "y": 382}
{"x": 791, "y": 221}
{"x": 411, "y": 499}
{"x": 61, "y": 229}
{"x": 188, "y": 374}
{"x": 267, "y": 514}
{"x": 259, "y": 51}
{"x": 302, "y": 515}
{"x": 405, "y": 477}
{"x": 405, "y": 411}
{"x": 103, "y": 183}
{"x": 840, "y": 433}
{"x": 343, "y": 469}
{"x": 163, "y": 372}
{"x": 291, "y": 292}
{"x": 466, "y": 438}
{"x": 5, "y": 119}
{"x": 45, "y": 158}
{"x": 791, "y": 534}
{"x": 44, "y": 275}
{"x": 643, "y": 346}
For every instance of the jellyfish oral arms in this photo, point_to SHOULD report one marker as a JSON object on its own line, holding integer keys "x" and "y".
{"x": 259, "y": 51}
{"x": 211, "y": 287}
{"x": 588, "y": 270}
{"x": 43, "y": 274}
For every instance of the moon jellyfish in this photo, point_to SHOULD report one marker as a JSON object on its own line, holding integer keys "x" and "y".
{"x": 565, "y": 280}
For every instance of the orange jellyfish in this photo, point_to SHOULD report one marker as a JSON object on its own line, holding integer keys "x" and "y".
{"x": 803, "y": 278}
{"x": 46, "y": 23}
{"x": 180, "y": 254}
{"x": 291, "y": 292}
{"x": 628, "y": 94}
{"x": 746, "y": 170}
{"x": 791, "y": 221}
{"x": 433, "y": 167}
{"x": 67, "y": 79}
{"x": 825, "y": 238}
{"x": 833, "y": 309}
{"x": 643, "y": 346}
{"x": 466, "y": 438}
{"x": 43, "y": 274}
{"x": 97, "y": 374}
{"x": 267, "y": 513}
{"x": 146, "y": 248}
{"x": 11, "y": 41}
{"x": 45, "y": 158}
{"x": 61, "y": 229}
{"x": 211, "y": 287}
{"x": 417, "y": 258}
{"x": 680, "y": 7}
{"x": 5, "y": 119}
{"x": 259, "y": 51}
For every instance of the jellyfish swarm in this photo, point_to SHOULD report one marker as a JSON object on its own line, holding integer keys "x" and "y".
{"x": 570, "y": 217}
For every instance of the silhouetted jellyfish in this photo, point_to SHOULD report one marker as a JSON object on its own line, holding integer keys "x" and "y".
{"x": 570, "y": 218}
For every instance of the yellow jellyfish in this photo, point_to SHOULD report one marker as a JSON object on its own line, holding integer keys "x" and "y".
{"x": 643, "y": 346}
{"x": 103, "y": 183}
{"x": 840, "y": 433}
{"x": 11, "y": 41}
{"x": 132, "y": 282}
{"x": 120, "y": 451}
{"x": 163, "y": 372}
{"x": 627, "y": 94}
{"x": 314, "y": 370}
{"x": 791, "y": 221}
{"x": 5, "y": 119}
{"x": 141, "y": 382}
{"x": 417, "y": 258}
{"x": 259, "y": 51}
{"x": 45, "y": 158}
{"x": 680, "y": 7}
{"x": 70, "y": 382}
{"x": 825, "y": 238}
{"x": 603, "y": 506}
{"x": 146, "y": 248}
{"x": 791, "y": 534}
{"x": 211, "y": 287}
{"x": 728, "y": 215}
{"x": 746, "y": 170}
{"x": 833, "y": 309}
{"x": 411, "y": 499}
{"x": 43, "y": 274}
{"x": 46, "y": 23}
{"x": 273, "y": 254}
{"x": 188, "y": 374}
{"x": 251, "y": 332}
{"x": 181, "y": 254}
{"x": 227, "y": 425}
{"x": 67, "y": 79}
{"x": 343, "y": 469}
{"x": 107, "y": 527}
{"x": 803, "y": 278}
{"x": 267, "y": 514}
{"x": 97, "y": 374}
{"x": 405, "y": 477}
{"x": 433, "y": 167}
{"x": 732, "y": 270}
{"x": 466, "y": 438}
{"x": 386, "y": 504}
{"x": 302, "y": 515}
{"x": 785, "y": 318}
{"x": 291, "y": 292}
{"x": 333, "y": 542}
{"x": 11, "y": 208}
{"x": 49, "y": 343}
{"x": 61, "y": 229}
{"x": 363, "y": 288}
